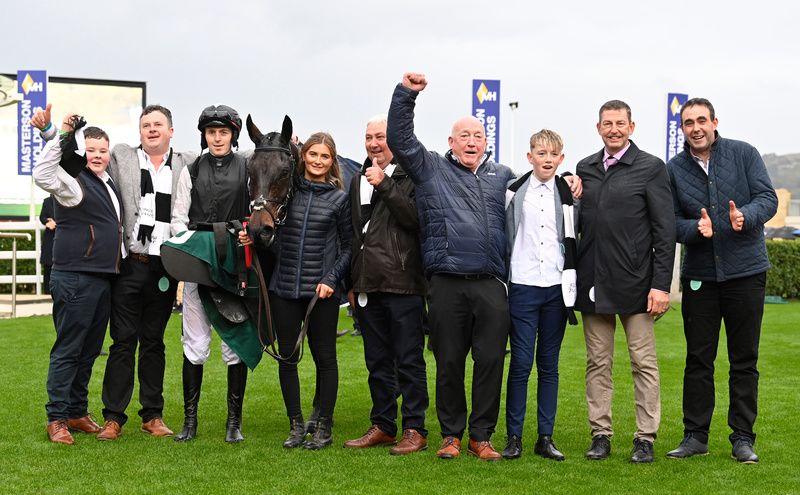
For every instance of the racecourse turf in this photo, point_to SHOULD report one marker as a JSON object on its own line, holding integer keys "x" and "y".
{"x": 137, "y": 463}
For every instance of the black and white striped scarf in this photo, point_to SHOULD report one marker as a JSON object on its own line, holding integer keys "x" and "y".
{"x": 154, "y": 205}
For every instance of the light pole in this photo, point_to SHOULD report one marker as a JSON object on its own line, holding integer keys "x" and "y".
{"x": 513, "y": 106}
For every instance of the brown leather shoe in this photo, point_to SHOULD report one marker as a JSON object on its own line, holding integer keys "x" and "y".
{"x": 372, "y": 438}
{"x": 157, "y": 428}
{"x": 85, "y": 424}
{"x": 111, "y": 430}
{"x": 450, "y": 449}
{"x": 483, "y": 450}
{"x": 58, "y": 432}
{"x": 412, "y": 441}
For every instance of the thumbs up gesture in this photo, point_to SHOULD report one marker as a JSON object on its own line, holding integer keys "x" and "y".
{"x": 737, "y": 217}
{"x": 374, "y": 174}
{"x": 704, "y": 224}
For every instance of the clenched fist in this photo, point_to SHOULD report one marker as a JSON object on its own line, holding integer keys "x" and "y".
{"x": 415, "y": 81}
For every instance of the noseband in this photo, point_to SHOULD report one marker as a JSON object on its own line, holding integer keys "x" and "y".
{"x": 260, "y": 203}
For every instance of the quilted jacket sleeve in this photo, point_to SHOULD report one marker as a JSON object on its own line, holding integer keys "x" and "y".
{"x": 763, "y": 201}
{"x": 400, "y": 135}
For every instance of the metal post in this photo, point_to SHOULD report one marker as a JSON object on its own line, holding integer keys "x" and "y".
{"x": 14, "y": 277}
{"x": 14, "y": 237}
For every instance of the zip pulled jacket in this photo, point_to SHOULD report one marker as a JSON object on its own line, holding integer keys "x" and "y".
{"x": 314, "y": 245}
{"x": 461, "y": 214}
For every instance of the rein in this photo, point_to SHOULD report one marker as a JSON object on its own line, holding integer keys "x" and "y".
{"x": 263, "y": 303}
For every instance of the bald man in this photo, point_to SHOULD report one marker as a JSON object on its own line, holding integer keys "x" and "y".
{"x": 461, "y": 208}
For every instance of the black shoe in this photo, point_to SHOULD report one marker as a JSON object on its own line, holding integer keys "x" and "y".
{"x": 237, "y": 381}
{"x": 513, "y": 448}
{"x": 356, "y": 332}
{"x": 743, "y": 451}
{"x": 322, "y": 436}
{"x": 642, "y": 451}
{"x": 689, "y": 446}
{"x": 600, "y": 448}
{"x": 297, "y": 433}
{"x": 192, "y": 380}
{"x": 547, "y": 449}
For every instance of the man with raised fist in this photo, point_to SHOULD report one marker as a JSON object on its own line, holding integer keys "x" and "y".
{"x": 722, "y": 196}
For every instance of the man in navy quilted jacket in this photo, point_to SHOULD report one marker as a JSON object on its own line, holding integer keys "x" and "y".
{"x": 722, "y": 196}
{"x": 460, "y": 202}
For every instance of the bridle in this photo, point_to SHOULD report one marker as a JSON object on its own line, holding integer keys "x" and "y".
{"x": 260, "y": 203}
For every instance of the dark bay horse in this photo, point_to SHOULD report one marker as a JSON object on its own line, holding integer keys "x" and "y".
{"x": 270, "y": 170}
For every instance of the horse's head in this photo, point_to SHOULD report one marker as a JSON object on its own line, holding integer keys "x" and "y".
{"x": 270, "y": 170}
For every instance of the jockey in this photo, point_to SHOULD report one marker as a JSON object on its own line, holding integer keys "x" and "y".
{"x": 212, "y": 189}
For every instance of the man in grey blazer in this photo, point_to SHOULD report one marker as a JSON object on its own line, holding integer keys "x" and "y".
{"x": 146, "y": 177}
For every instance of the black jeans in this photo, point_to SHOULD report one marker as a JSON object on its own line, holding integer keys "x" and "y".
{"x": 287, "y": 315}
{"x": 139, "y": 314}
{"x": 81, "y": 304}
{"x": 391, "y": 326}
{"x": 740, "y": 304}
{"x": 468, "y": 315}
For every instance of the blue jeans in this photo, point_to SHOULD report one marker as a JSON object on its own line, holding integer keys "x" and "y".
{"x": 81, "y": 307}
{"x": 536, "y": 313}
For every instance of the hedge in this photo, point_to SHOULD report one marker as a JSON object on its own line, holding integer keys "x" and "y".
{"x": 784, "y": 277}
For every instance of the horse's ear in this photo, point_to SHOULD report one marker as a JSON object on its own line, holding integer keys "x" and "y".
{"x": 252, "y": 129}
{"x": 286, "y": 130}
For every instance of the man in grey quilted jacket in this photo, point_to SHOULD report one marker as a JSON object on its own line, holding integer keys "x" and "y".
{"x": 722, "y": 197}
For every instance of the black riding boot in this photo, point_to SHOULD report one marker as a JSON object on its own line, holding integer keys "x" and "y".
{"x": 322, "y": 436}
{"x": 237, "y": 380}
{"x": 192, "y": 379}
{"x": 297, "y": 432}
{"x": 311, "y": 424}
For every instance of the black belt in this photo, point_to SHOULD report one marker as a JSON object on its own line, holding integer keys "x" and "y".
{"x": 467, "y": 276}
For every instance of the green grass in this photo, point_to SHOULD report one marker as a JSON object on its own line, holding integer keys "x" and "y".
{"x": 140, "y": 464}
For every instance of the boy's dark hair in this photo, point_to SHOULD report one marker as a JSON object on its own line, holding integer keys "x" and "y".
{"x": 95, "y": 133}
{"x": 157, "y": 108}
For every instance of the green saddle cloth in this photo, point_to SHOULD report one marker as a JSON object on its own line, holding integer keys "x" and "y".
{"x": 242, "y": 337}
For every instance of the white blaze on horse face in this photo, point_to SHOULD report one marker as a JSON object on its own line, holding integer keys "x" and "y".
{"x": 375, "y": 143}
{"x": 219, "y": 140}
{"x": 318, "y": 160}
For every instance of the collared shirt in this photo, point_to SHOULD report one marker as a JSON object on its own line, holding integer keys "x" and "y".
{"x": 704, "y": 164}
{"x": 536, "y": 258}
{"x": 366, "y": 189}
{"x": 617, "y": 156}
{"x": 135, "y": 245}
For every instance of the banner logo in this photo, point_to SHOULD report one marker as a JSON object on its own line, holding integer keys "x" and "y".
{"x": 486, "y": 108}
{"x": 675, "y": 138}
{"x": 29, "y": 142}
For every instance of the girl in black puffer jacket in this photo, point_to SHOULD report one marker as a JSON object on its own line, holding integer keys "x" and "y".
{"x": 313, "y": 258}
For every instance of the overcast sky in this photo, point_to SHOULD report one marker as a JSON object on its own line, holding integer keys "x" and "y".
{"x": 333, "y": 65}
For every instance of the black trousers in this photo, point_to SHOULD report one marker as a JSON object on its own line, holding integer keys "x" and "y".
{"x": 391, "y": 326}
{"x": 140, "y": 311}
{"x": 740, "y": 304}
{"x": 468, "y": 315}
{"x": 287, "y": 315}
{"x": 80, "y": 313}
